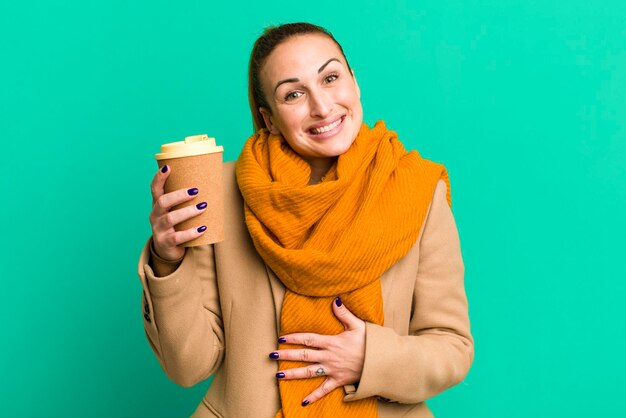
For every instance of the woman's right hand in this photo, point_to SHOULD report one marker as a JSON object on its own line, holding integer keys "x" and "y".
{"x": 164, "y": 236}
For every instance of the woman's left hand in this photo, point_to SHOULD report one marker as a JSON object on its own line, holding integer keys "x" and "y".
{"x": 338, "y": 357}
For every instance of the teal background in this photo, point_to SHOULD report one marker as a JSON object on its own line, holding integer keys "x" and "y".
{"x": 523, "y": 101}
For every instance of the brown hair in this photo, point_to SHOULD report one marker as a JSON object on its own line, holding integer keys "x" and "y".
{"x": 264, "y": 45}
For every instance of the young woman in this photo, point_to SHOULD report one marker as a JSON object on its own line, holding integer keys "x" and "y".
{"x": 338, "y": 291}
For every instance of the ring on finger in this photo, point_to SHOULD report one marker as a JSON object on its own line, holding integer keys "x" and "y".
{"x": 320, "y": 371}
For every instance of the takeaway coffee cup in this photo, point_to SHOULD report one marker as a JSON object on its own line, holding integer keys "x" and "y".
{"x": 197, "y": 162}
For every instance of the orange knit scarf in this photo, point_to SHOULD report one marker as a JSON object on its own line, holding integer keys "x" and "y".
{"x": 335, "y": 238}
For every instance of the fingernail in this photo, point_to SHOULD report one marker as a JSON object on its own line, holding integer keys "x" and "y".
{"x": 192, "y": 191}
{"x": 282, "y": 340}
{"x": 164, "y": 169}
{"x": 338, "y": 302}
{"x": 202, "y": 228}
{"x": 274, "y": 355}
{"x": 280, "y": 375}
{"x": 201, "y": 205}
{"x": 305, "y": 402}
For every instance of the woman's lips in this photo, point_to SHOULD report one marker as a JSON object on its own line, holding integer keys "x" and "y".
{"x": 328, "y": 130}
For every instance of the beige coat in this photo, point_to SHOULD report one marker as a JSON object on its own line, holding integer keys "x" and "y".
{"x": 218, "y": 313}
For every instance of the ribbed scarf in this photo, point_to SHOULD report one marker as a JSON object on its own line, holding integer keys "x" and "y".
{"x": 335, "y": 238}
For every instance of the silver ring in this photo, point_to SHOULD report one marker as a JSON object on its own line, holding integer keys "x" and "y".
{"x": 320, "y": 371}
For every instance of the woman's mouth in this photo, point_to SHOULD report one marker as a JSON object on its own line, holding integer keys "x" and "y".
{"x": 328, "y": 130}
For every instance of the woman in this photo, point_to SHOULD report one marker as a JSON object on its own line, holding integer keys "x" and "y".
{"x": 339, "y": 288}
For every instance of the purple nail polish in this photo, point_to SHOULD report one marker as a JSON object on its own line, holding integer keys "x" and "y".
{"x": 280, "y": 375}
{"x": 202, "y": 228}
{"x": 305, "y": 402}
{"x": 192, "y": 192}
{"x": 282, "y": 340}
{"x": 164, "y": 169}
{"x": 338, "y": 302}
{"x": 274, "y": 355}
{"x": 201, "y": 205}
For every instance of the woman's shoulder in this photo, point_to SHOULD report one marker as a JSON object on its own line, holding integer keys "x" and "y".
{"x": 229, "y": 168}
{"x": 231, "y": 189}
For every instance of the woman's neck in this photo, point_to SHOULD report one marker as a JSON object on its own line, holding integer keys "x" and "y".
{"x": 319, "y": 168}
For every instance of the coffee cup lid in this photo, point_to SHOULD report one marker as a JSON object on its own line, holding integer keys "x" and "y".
{"x": 192, "y": 145}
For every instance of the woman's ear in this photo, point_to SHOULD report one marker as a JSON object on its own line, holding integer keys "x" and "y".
{"x": 267, "y": 118}
{"x": 358, "y": 90}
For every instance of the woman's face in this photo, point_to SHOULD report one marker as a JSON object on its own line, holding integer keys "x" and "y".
{"x": 314, "y": 100}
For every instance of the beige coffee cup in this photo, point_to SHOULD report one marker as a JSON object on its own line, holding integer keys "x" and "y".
{"x": 197, "y": 162}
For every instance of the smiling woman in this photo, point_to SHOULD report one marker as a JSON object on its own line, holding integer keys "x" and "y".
{"x": 313, "y": 99}
{"x": 338, "y": 290}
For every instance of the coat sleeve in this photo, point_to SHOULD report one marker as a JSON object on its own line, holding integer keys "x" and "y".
{"x": 439, "y": 349}
{"x": 182, "y": 315}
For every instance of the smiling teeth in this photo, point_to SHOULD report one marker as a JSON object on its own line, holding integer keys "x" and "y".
{"x": 326, "y": 128}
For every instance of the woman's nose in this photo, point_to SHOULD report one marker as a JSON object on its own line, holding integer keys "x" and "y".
{"x": 321, "y": 103}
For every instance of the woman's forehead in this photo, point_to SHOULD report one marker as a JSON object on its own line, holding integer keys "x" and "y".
{"x": 301, "y": 53}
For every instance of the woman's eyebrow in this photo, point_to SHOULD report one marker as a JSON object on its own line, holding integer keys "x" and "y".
{"x": 288, "y": 80}
{"x": 295, "y": 80}
{"x": 326, "y": 63}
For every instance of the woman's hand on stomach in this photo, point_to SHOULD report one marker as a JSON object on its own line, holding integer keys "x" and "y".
{"x": 340, "y": 357}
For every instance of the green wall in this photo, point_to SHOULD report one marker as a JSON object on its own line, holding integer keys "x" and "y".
{"x": 523, "y": 101}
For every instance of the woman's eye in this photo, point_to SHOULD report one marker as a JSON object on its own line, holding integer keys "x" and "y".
{"x": 292, "y": 95}
{"x": 331, "y": 77}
